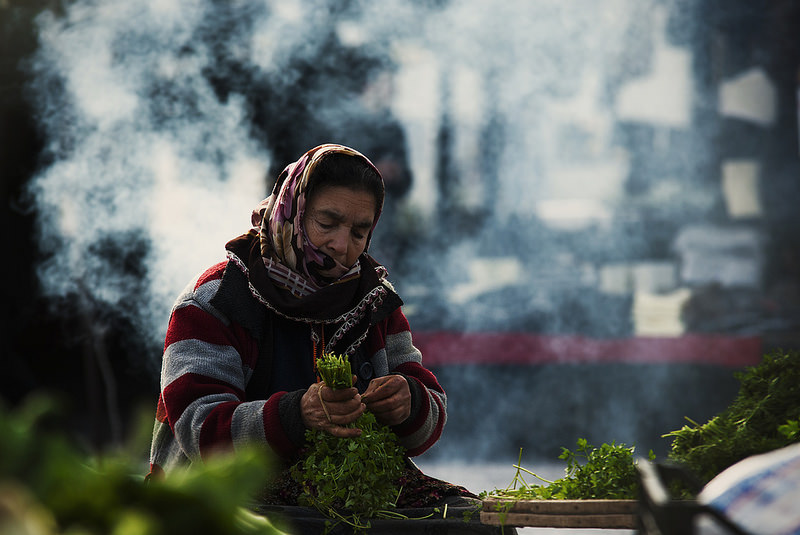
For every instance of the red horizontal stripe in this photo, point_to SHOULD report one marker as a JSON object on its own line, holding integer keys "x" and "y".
{"x": 415, "y": 370}
{"x": 215, "y": 435}
{"x": 187, "y": 388}
{"x": 213, "y": 273}
{"x": 397, "y": 322}
{"x": 452, "y": 348}
{"x": 192, "y": 322}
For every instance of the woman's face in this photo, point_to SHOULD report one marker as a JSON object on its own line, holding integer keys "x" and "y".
{"x": 337, "y": 220}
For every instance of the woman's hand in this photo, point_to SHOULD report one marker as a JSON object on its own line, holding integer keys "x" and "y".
{"x": 389, "y": 399}
{"x": 331, "y": 410}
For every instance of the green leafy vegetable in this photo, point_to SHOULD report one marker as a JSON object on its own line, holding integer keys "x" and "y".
{"x": 607, "y": 472}
{"x": 764, "y": 416}
{"x": 335, "y": 371}
{"x": 791, "y": 430}
{"x": 350, "y": 479}
{"x": 49, "y": 486}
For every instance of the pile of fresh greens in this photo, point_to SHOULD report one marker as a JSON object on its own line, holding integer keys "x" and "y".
{"x": 350, "y": 479}
{"x": 764, "y": 416}
{"x": 607, "y": 472}
{"x": 49, "y": 486}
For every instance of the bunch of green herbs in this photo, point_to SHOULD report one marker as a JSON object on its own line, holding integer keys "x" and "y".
{"x": 350, "y": 479}
{"x": 335, "y": 371}
{"x": 764, "y": 416}
{"x": 607, "y": 472}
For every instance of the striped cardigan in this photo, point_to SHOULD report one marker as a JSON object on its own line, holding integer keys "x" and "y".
{"x": 213, "y": 344}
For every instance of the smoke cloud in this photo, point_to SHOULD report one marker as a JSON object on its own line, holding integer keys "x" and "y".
{"x": 151, "y": 172}
{"x": 521, "y": 122}
{"x": 153, "y": 167}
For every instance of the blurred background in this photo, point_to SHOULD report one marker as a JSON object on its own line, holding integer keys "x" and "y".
{"x": 591, "y": 215}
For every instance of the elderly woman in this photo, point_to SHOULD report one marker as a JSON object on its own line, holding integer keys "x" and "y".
{"x": 243, "y": 338}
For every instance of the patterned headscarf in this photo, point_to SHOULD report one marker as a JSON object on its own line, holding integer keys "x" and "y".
{"x": 292, "y": 277}
{"x": 289, "y": 256}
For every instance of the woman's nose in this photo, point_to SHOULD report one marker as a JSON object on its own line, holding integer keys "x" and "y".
{"x": 338, "y": 243}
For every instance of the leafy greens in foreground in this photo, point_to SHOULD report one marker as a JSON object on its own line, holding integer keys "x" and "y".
{"x": 50, "y": 486}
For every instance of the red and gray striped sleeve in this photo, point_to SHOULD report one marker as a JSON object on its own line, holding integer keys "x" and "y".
{"x": 424, "y": 426}
{"x": 206, "y": 365}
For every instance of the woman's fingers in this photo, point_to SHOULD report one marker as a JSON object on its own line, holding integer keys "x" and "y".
{"x": 389, "y": 399}
{"x": 342, "y": 403}
{"x": 344, "y": 394}
{"x": 383, "y": 387}
{"x": 331, "y": 410}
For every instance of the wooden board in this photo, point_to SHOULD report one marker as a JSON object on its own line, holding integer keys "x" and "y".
{"x": 608, "y": 514}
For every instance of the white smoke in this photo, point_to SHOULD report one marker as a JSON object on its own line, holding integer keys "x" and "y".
{"x": 151, "y": 164}
{"x": 143, "y": 151}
